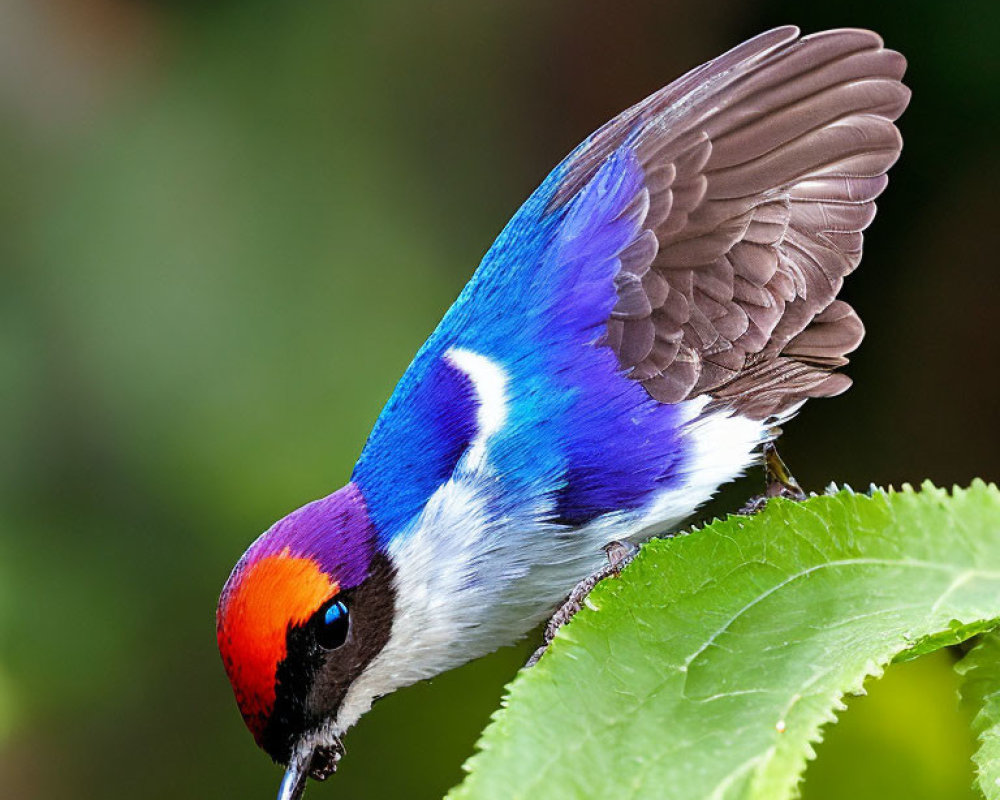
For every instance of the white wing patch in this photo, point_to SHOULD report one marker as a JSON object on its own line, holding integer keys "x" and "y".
{"x": 489, "y": 380}
{"x": 723, "y": 445}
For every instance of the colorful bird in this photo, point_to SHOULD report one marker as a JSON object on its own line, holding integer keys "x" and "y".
{"x": 634, "y": 337}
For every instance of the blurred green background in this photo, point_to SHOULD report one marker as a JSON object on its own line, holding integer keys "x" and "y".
{"x": 226, "y": 227}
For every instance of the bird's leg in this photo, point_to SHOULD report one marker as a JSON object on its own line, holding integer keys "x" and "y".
{"x": 780, "y": 482}
{"x": 619, "y": 555}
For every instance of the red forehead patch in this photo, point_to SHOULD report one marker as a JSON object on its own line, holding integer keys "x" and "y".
{"x": 271, "y": 596}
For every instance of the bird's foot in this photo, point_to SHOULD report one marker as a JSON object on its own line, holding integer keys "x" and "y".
{"x": 780, "y": 482}
{"x": 619, "y": 555}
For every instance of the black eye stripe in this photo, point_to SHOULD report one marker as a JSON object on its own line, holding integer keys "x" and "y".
{"x": 311, "y": 681}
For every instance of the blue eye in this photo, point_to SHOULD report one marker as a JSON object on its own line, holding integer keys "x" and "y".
{"x": 335, "y": 612}
{"x": 332, "y": 633}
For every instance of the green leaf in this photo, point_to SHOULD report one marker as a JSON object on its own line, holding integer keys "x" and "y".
{"x": 956, "y": 633}
{"x": 708, "y": 669}
{"x": 980, "y": 670}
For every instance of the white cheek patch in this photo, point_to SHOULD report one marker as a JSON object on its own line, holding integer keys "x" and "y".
{"x": 489, "y": 380}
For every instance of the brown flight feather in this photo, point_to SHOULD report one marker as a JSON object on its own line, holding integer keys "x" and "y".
{"x": 761, "y": 171}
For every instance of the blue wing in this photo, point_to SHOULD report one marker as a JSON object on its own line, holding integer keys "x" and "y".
{"x": 693, "y": 247}
{"x": 578, "y": 428}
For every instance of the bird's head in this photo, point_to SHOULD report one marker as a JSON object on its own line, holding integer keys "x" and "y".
{"x": 305, "y": 611}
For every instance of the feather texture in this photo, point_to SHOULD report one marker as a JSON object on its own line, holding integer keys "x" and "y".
{"x": 691, "y": 250}
{"x": 761, "y": 170}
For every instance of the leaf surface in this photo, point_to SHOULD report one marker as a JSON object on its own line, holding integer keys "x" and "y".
{"x": 980, "y": 670}
{"x": 708, "y": 669}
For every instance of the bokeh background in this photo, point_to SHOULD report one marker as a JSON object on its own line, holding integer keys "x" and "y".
{"x": 226, "y": 227}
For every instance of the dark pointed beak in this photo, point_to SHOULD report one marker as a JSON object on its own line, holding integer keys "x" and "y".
{"x": 309, "y": 761}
